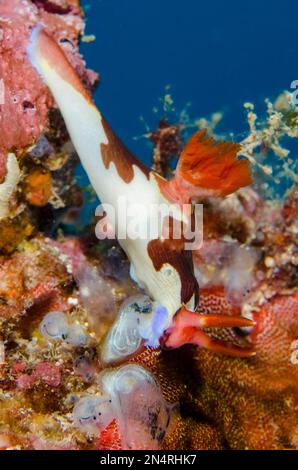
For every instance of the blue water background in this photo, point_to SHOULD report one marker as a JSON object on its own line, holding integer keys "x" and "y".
{"x": 215, "y": 54}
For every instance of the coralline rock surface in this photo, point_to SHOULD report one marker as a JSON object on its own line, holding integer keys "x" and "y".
{"x": 30, "y": 125}
{"x": 24, "y": 113}
{"x": 248, "y": 264}
{"x": 220, "y": 402}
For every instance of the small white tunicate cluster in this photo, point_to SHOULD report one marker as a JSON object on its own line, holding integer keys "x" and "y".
{"x": 139, "y": 319}
{"x": 93, "y": 414}
{"x": 131, "y": 396}
{"x": 57, "y": 326}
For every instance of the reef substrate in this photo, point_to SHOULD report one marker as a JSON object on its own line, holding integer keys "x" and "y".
{"x": 248, "y": 265}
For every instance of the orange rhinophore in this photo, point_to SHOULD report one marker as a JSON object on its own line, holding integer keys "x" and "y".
{"x": 208, "y": 168}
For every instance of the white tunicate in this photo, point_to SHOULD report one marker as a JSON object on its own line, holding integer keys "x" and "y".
{"x": 9, "y": 185}
{"x": 77, "y": 335}
{"x": 124, "y": 338}
{"x": 93, "y": 414}
{"x": 131, "y": 396}
{"x": 235, "y": 268}
{"x": 141, "y": 412}
{"x": 55, "y": 326}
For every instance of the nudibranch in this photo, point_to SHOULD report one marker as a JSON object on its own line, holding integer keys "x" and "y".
{"x": 161, "y": 265}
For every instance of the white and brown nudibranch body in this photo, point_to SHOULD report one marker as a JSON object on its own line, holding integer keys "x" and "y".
{"x": 161, "y": 266}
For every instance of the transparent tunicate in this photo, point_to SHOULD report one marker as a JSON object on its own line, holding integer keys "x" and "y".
{"x": 57, "y": 326}
{"x": 77, "y": 335}
{"x": 131, "y": 396}
{"x": 93, "y": 414}
{"x": 54, "y": 326}
{"x": 142, "y": 413}
{"x": 124, "y": 337}
{"x": 139, "y": 319}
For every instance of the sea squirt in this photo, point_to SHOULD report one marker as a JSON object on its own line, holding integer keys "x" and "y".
{"x": 131, "y": 396}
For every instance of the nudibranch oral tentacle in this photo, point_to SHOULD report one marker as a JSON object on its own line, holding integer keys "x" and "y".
{"x": 187, "y": 328}
{"x": 161, "y": 265}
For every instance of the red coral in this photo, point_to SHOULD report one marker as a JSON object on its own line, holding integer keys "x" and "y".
{"x": 20, "y": 125}
{"x": 49, "y": 373}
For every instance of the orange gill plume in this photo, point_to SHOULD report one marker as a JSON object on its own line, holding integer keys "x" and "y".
{"x": 209, "y": 168}
{"x": 211, "y": 165}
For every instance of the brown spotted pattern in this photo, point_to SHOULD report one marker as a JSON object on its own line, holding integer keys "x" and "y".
{"x": 172, "y": 251}
{"x": 115, "y": 151}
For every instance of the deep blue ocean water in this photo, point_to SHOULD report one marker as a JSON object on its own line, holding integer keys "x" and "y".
{"x": 215, "y": 54}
